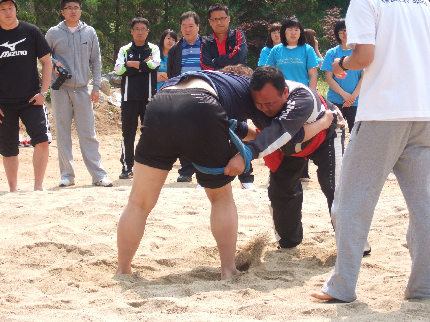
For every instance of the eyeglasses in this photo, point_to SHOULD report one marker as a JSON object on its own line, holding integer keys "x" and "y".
{"x": 72, "y": 8}
{"x": 140, "y": 30}
{"x": 341, "y": 32}
{"x": 218, "y": 19}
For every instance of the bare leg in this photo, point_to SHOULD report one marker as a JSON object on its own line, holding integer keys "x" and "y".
{"x": 11, "y": 169}
{"x": 224, "y": 227}
{"x": 322, "y": 296}
{"x": 40, "y": 161}
{"x": 147, "y": 184}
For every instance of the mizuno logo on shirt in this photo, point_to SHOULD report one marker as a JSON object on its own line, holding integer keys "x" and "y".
{"x": 12, "y": 46}
{"x": 12, "y": 51}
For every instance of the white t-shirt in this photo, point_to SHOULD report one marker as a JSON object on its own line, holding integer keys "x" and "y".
{"x": 396, "y": 85}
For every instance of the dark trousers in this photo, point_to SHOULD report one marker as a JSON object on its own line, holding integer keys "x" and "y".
{"x": 286, "y": 192}
{"x": 130, "y": 113}
{"x": 305, "y": 172}
{"x": 187, "y": 169}
{"x": 349, "y": 114}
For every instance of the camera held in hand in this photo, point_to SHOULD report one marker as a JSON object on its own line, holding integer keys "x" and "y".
{"x": 64, "y": 74}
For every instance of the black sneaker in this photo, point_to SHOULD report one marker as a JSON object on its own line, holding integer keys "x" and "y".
{"x": 126, "y": 175}
{"x": 182, "y": 178}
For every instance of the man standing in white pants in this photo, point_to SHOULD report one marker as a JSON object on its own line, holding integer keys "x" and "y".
{"x": 75, "y": 47}
{"x": 392, "y": 131}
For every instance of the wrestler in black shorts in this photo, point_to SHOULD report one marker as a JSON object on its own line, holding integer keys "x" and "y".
{"x": 189, "y": 123}
{"x": 35, "y": 119}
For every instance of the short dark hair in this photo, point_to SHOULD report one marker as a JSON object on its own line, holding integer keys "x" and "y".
{"x": 338, "y": 27}
{"x": 267, "y": 74}
{"x": 217, "y": 7}
{"x": 292, "y": 22}
{"x": 139, "y": 19}
{"x": 237, "y": 69}
{"x": 163, "y": 36}
{"x": 190, "y": 14}
{"x": 65, "y": 2}
{"x": 13, "y": 1}
{"x": 273, "y": 27}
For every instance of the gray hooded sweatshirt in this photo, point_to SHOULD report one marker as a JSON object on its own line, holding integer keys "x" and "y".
{"x": 79, "y": 52}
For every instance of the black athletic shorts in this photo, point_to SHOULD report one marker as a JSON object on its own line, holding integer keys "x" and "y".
{"x": 35, "y": 119}
{"x": 189, "y": 123}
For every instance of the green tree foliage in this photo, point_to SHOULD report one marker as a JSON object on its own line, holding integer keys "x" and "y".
{"x": 111, "y": 19}
{"x": 328, "y": 22}
{"x": 43, "y": 13}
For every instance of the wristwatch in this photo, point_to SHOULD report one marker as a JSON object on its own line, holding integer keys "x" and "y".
{"x": 44, "y": 94}
{"x": 341, "y": 63}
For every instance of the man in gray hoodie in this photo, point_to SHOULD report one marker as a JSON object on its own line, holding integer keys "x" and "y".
{"x": 75, "y": 47}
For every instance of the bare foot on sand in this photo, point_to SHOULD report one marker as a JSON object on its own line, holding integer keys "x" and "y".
{"x": 322, "y": 296}
{"x": 230, "y": 273}
{"x": 124, "y": 271}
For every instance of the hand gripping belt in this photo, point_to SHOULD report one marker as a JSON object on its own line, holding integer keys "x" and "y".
{"x": 244, "y": 151}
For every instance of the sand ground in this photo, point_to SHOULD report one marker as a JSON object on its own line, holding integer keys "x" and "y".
{"x": 58, "y": 254}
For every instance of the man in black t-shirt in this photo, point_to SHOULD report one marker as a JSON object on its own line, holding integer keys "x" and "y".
{"x": 21, "y": 44}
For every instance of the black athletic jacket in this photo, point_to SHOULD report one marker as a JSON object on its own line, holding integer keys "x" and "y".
{"x": 138, "y": 84}
{"x": 235, "y": 48}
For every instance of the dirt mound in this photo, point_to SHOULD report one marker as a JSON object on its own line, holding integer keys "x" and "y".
{"x": 107, "y": 117}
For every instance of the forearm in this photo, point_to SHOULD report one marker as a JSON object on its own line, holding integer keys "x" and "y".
{"x": 252, "y": 133}
{"x": 318, "y": 52}
{"x": 314, "y": 128}
{"x": 313, "y": 78}
{"x": 96, "y": 68}
{"x": 46, "y": 72}
{"x": 147, "y": 66}
{"x": 333, "y": 84}
{"x": 358, "y": 87}
{"x": 361, "y": 57}
{"x": 161, "y": 76}
{"x": 96, "y": 63}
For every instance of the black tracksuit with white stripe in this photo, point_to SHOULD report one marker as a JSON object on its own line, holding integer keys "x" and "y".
{"x": 285, "y": 188}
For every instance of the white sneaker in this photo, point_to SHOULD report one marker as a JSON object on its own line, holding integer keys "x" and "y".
{"x": 67, "y": 182}
{"x": 247, "y": 185}
{"x": 105, "y": 182}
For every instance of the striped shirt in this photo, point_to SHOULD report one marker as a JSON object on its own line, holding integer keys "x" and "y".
{"x": 191, "y": 56}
